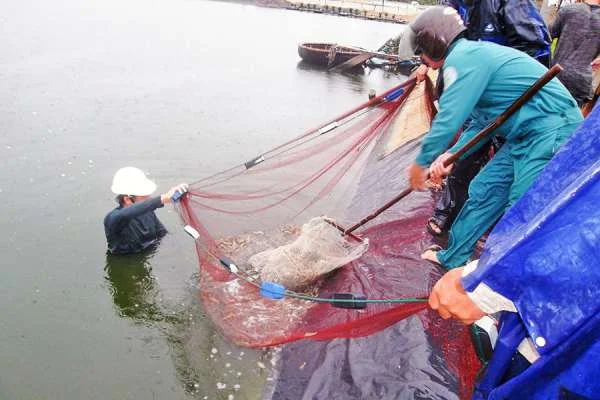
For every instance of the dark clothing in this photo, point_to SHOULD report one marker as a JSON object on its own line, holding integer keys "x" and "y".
{"x": 455, "y": 191}
{"x": 134, "y": 228}
{"x": 512, "y": 23}
{"x": 577, "y": 28}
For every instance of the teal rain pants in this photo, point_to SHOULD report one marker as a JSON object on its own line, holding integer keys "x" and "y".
{"x": 498, "y": 186}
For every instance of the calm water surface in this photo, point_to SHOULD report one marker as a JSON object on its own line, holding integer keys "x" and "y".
{"x": 180, "y": 89}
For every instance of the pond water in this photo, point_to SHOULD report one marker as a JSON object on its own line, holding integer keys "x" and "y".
{"x": 180, "y": 89}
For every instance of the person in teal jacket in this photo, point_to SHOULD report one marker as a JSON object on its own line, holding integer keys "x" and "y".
{"x": 482, "y": 80}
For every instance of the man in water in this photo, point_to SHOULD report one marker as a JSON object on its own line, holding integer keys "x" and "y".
{"x": 482, "y": 80}
{"x": 133, "y": 227}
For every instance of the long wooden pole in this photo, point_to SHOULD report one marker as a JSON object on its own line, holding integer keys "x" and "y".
{"x": 525, "y": 97}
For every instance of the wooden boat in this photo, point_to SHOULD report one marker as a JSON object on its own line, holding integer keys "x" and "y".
{"x": 327, "y": 54}
{"x": 331, "y": 55}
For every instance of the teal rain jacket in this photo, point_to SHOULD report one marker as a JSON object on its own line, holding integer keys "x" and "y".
{"x": 482, "y": 80}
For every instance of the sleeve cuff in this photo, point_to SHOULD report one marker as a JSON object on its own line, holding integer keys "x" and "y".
{"x": 422, "y": 161}
{"x": 484, "y": 297}
{"x": 157, "y": 202}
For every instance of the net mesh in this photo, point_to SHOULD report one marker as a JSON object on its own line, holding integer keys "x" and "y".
{"x": 266, "y": 216}
{"x": 319, "y": 249}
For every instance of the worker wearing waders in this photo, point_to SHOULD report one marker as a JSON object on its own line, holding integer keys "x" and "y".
{"x": 133, "y": 227}
{"x": 482, "y": 80}
{"x": 539, "y": 272}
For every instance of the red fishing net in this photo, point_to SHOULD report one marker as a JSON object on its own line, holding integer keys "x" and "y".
{"x": 343, "y": 169}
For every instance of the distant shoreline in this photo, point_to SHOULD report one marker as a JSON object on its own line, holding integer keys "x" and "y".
{"x": 394, "y": 12}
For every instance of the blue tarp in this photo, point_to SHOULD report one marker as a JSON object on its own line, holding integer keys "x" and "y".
{"x": 544, "y": 255}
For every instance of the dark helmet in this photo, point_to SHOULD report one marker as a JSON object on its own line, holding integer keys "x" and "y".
{"x": 434, "y": 30}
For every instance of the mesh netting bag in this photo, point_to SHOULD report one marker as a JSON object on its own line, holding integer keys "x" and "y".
{"x": 318, "y": 250}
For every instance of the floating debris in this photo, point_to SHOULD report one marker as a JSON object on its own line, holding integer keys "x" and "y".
{"x": 221, "y": 386}
{"x": 214, "y": 350}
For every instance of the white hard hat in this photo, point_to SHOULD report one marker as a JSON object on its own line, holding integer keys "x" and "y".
{"x": 132, "y": 181}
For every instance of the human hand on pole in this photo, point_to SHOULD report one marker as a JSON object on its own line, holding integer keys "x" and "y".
{"x": 417, "y": 177}
{"x": 437, "y": 170}
{"x": 450, "y": 300}
{"x": 180, "y": 189}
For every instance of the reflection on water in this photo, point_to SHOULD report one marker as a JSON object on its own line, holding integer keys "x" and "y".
{"x": 206, "y": 365}
{"x": 305, "y": 66}
{"x": 356, "y": 79}
{"x": 133, "y": 288}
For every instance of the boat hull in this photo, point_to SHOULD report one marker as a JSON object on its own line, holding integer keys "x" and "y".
{"x": 322, "y": 54}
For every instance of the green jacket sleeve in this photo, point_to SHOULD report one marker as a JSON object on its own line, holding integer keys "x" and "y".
{"x": 465, "y": 80}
